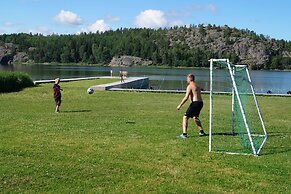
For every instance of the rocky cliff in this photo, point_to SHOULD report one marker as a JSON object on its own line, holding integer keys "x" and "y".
{"x": 246, "y": 46}
{"x": 9, "y": 54}
{"x": 128, "y": 61}
{"x": 6, "y": 54}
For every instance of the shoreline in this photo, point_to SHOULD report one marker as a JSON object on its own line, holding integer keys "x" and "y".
{"x": 135, "y": 66}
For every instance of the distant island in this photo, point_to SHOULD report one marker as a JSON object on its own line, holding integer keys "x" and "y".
{"x": 188, "y": 46}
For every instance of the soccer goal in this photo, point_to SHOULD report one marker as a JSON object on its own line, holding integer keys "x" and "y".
{"x": 236, "y": 124}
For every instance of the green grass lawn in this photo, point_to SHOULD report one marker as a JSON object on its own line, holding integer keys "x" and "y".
{"x": 122, "y": 142}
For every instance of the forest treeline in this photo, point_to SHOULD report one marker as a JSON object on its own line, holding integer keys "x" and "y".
{"x": 190, "y": 46}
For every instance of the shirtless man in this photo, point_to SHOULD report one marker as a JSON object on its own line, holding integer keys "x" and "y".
{"x": 193, "y": 93}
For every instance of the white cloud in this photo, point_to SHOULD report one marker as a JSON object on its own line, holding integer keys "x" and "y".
{"x": 40, "y": 30}
{"x": 112, "y": 18}
{"x": 68, "y": 18}
{"x": 204, "y": 7}
{"x": 151, "y": 19}
{"x": 6, "y": 27}
{"x": 98, "y": 26}
{"x": 176, "y": 23}
{"x": 178, "y": 14}
{"x": 211, "y": 8}
{"x": 2, "y": 31}
{"x": 157, "y": 19}
{"x": 43, "y": 30}
{"x": 8, "y": 24}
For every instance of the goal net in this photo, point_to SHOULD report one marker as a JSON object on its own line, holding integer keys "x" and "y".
{"x": 236, "y": 125}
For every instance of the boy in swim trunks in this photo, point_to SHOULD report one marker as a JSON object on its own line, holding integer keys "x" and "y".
{"x": 57, "y": 94}
{"x": 193, "y": 93}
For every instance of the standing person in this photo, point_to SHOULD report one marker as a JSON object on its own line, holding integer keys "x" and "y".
{"x": 121, "y": 72}
{"x": 193, "y": 93}
{"x": 121, "y": 77}
{"x": 57, "y": 94}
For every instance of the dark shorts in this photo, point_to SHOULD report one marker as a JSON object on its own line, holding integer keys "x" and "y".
{"x": 58, "y": 101}
{"x": 194, "y": 109}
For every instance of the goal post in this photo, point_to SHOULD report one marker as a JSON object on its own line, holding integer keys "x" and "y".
{"x": 236, "y": 124}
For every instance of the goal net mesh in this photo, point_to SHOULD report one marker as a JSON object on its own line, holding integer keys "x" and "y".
{"x": 230, "y": 121}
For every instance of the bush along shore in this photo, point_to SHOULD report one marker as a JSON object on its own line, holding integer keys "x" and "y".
{"x": 14, "y": 81}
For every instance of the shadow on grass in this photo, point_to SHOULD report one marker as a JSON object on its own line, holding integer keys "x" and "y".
{"x": 270, "y": 134}
{"x": 274, "y": 134}
{"x": 275, "y": 150}
{"x": 224, "y": 134}
{"x": 130, "y": 122}
{"x": 213, "y": 134}
{"x": 76, "y": 111}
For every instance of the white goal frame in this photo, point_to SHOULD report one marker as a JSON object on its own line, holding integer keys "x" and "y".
{"x": 235, "y": 93}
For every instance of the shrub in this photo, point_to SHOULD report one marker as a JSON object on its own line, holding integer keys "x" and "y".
{"x": 14, "y": 81}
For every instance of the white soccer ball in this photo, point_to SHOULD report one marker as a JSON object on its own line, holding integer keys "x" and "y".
{"x": 90, "y": 91}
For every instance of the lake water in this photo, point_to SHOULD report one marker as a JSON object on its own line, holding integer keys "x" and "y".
{"x": 174, "y": 79}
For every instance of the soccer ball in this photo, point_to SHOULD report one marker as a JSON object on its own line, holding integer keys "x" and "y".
{"x": 90, "y": 91}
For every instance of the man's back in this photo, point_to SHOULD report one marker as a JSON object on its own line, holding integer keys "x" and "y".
{"x": 195, "y": 94}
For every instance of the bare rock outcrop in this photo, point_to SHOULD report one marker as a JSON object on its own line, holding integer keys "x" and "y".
{"x": 6, "y": 54}
{"x": 128, "y": 61}
{"x": 21, "y": 57}
{"x": 246, "y": 46}
{"x": 9, "y": 54}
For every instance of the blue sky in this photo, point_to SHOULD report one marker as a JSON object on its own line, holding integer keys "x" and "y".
{"x": 268, "y": 17}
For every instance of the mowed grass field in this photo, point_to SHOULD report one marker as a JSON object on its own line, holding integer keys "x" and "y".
{"x": 122, "y": 142}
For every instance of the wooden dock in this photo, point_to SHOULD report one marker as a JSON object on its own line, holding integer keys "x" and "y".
{"x": 129, "y": 83}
